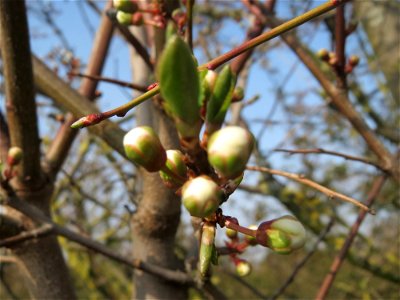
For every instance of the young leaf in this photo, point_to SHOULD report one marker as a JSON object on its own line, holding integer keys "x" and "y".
{"x": 179, "y": 82}
{"x": 221, "y": 96}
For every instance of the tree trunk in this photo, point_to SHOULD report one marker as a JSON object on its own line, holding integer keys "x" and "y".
{"x": 157, "y": 218}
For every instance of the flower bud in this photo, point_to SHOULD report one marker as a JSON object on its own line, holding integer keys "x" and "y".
{"x": 252, "y": 241}
{"x": 230, "y": 233}
{"x": 323, "y": 54}
{"x": 354, "y": 60}
{"x": 229, "y": 149}
{"x": 143, "y": 147}
{"x": 176, "y": 166}
{"x": 210, "y": 79}
{"x": 282, "y": 235}
{"x": 243, "y": 268}
{"x": 127, "y": 19}
{"x": 14, "y": 156}
{"x": 201, "y": 196}
{"x": 207, "y": 248}
{"x": 128, "y": 6}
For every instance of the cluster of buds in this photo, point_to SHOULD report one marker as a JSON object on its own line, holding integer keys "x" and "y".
{"x": 192, "y": 99}
{"x": 128, "y": 12}
{"x": 331, "y": 59}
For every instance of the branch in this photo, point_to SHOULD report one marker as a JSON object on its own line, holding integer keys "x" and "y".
{"x": 20, "y": 103}
{"x": 340, "y": 39}
{"x": 323, "y": 151}
{"x": 77, "y": 104}
{"x": 338, "y": 97}
{"x": 337, "y": 262}
{"x": 301, "y": 179}
{"x": 138, "y": 87}
{"x": 43, "y": 230}
{"x": 215, "y": 63}
{"x": 65, "y": 136}
{"x": 35, "y": 214}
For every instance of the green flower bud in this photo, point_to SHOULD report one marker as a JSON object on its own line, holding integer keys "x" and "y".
{"x": 201, "y": 196}
{"x": 354, "y": 60}
{"x": 127, "y": 19}
{"x": 323, "y": 54}
{"x": 176, "y": 166}
{"x": 14, "y": 156}
{"x": 252, "y": 241}
{"x": 207, "y": 248}
{"x": 230, "y": 233}
{"x": 128, "y": 6}
{"x": 143, "y": 147}
{"x": 229, "y": 149}
{"x": 243, "y": 268}
{"x": 282, "y": 235}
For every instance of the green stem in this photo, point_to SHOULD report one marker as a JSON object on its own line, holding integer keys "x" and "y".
{"x": 216, "y": 62}
{"x": 247, "y": 231}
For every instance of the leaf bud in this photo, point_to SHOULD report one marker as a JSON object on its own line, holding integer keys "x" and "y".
{"x": 176, "y": 173}
{"x": 243, "y": 268}
{"x": 252, "y": 241}
{"x": 127, "y": 6}
{"x": 143, "y": 147}
{"x": 229, "y": 149}
{"x": 201, "y": 196}
{"x": 14, "y": 156}
{"x": 207, "y": 248}
{"x": 282, "y": 235}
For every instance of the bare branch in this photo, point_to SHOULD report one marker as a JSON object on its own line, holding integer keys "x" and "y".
{"x": 337, "y": 262}
{"x": 111, "y": 80}
{"x": 43, "y": 230}
{"x": 301, "y": 179}
{"x": 323, "y": 151}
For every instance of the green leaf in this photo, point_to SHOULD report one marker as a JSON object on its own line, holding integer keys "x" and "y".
{"x": 207, "y": 248}
{"x": 179, "y": 82}
{"x": 221, "y": 97}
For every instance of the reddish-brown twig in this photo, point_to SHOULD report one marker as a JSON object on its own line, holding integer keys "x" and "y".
{"x": 337, "y": 262}
{"x": 111, "y": 80}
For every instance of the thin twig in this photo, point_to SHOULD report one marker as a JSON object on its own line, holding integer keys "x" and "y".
{"x": 43, "y": 230}
{"x": 301, "y": 264}
{"x": 111, "y": 80}
{"x": 301, "y": 179}
{"x": 189, "y": 24}
{"x": 340, "y": 41}
{"x": 337, "y": 262}
{"x": 247, "y": 285}
{"x": 328, "y": 152}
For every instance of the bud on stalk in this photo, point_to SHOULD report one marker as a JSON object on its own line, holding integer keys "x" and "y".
{"x": 14, "y": 156}
{"x": 207, "y": 248}
{"x": 243, "y": 268}
{"x": 282, "y": 235}
{"x": 127, "y": 19}
{"x": 201, "y": 196}
{"x": 229, "y": 149}
{"x": 174, "y": 173}
{"x": 143, "y": 147}
{"x": 252, "y": 241}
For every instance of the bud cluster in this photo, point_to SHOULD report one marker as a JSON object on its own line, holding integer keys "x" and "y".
{"x": 331, "y": 59}
{"x": 128, "y": 12}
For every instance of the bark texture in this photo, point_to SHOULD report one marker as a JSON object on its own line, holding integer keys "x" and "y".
{"x": 157, "y": 218}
